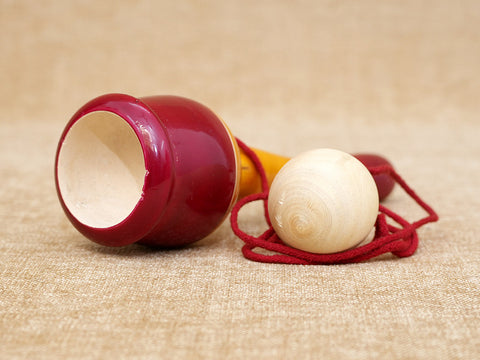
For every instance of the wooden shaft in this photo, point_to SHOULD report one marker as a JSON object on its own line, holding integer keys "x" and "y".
{"x": 250, "y": 182}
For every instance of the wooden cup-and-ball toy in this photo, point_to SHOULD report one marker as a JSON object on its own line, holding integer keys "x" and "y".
{"x": 166, "y": 171}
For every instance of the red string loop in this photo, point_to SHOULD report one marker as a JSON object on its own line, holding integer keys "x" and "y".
{"x": 400, "y": 240}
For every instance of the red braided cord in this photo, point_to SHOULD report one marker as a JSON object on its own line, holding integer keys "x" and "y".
{"x": 401, "y": 241}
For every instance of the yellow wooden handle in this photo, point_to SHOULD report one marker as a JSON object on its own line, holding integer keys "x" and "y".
{"x": 250, "y": 182}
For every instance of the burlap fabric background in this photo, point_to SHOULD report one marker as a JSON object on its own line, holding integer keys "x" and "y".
{"x": 401, "y": 78}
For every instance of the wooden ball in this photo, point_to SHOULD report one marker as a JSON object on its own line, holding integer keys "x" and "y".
{"x": 323, "y": 201}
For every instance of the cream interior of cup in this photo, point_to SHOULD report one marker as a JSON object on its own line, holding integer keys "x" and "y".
{"x": 101, "y": 169}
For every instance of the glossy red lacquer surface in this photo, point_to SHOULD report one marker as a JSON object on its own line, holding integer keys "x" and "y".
{"x": 191, "y": 171}
{"x": 385, "y": 183}
{"x": 205, "y": 171}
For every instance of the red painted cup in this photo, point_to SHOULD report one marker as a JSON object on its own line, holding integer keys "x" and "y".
{"x": 159, "y": 170}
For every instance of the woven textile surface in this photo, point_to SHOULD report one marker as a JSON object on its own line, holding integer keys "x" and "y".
{"x": 401, "y": 79}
